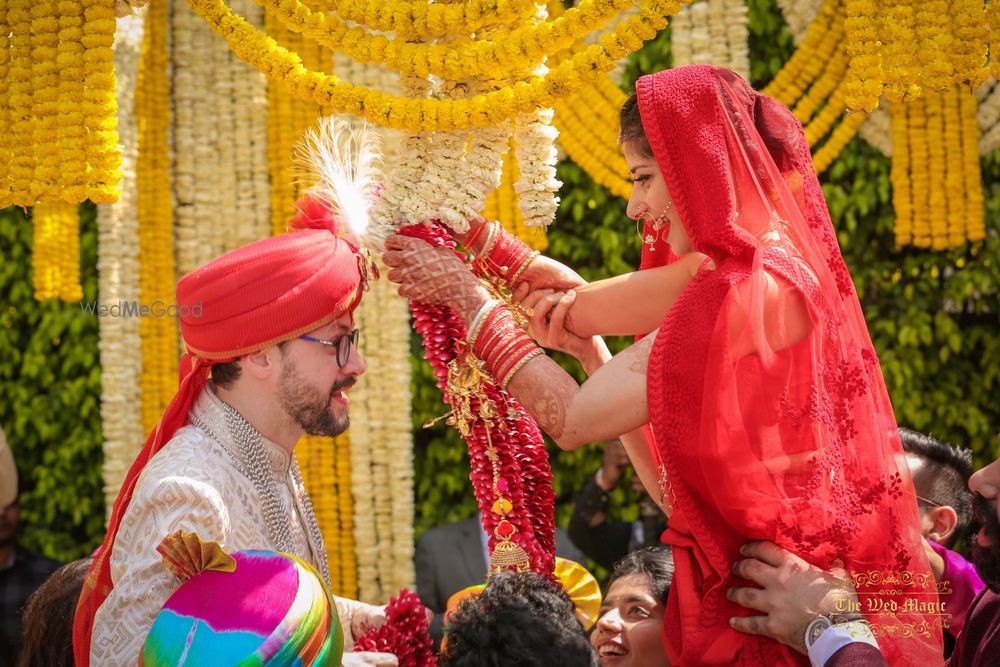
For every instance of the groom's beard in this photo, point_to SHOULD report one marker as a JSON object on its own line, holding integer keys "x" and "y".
{"x": 987, "y": 559}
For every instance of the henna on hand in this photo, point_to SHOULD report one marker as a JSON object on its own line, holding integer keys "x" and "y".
{"x": 546, "y": 390}
{"x": 434, "y": 276}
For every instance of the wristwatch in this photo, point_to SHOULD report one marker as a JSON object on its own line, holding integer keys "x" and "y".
{"x": 816, "y": 627}
{"x": 821, "y": 623}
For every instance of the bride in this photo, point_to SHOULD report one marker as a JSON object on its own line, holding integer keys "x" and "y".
{"x": 767, "y": 414}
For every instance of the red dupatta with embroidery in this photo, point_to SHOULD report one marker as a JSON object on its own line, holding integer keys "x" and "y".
{"x": 770, "y": 415}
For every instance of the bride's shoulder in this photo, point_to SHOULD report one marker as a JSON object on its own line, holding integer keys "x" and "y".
{"x": 767, "y": 309}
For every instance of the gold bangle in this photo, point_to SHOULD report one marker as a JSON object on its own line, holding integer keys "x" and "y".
{"x": 528, "y": 357}
{"x": 497, "y": 339}
{"x": 507, "y": 346}
{"x": 524, "y": 265}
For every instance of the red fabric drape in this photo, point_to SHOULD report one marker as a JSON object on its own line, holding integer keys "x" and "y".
{"x": 248, "y": 299}
{"x": 770, "y": 415}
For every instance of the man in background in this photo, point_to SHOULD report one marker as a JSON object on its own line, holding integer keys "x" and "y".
{"x": 603, "y": 538}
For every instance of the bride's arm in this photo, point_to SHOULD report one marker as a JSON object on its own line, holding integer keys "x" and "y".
{"x": 632, "y": 304}
{"x": 547, "y": 326}
{"x": 610, "y": 403}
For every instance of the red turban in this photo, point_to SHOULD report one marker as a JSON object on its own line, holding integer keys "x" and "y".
{"x": 253, "y": 297}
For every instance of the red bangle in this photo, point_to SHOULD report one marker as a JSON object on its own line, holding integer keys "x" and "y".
{"x": 506, "y": 258}
{"x": 479, "y": 230}
{"x": 502, "y": 345}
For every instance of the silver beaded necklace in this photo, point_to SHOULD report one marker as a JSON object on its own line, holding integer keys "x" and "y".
{"x": 251, "y": 445}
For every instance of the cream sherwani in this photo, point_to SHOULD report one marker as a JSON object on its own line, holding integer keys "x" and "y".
{"x": 196, "y": 484}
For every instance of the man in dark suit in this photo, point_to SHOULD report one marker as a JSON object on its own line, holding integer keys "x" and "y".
{"x": 796, "y": 598}
{"x": 454, "y": 556}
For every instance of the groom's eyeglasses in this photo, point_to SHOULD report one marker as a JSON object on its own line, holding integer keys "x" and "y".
{"x": 343, "y": 344}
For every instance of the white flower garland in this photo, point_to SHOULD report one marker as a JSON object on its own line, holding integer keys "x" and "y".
{"x": 188, "y": 85}
{"x": 226, "y": 216}
{"x": 798, "y": 15}
{"x": 535, "y": 151}
{"x": 988, "y": 117}
{"x": 118, "y": 280}
{"x": 412, "y": 161}
{"x": 381, "y": 451}
{"x": 715, "y": 32}
{"x": 876, "y": 129}
{"x": 126, "y": 8}
{"x": 253, "y": 197}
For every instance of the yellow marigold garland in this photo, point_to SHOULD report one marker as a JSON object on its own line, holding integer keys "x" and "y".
{"x": 521, "y": 49}
{"x": 432, "y": 19}
{"x": 937, "y": 187}
{"x": 72, "y": 130}
{"x": 835, "y": 67}
{"x": 902, "y": 193}
{"x": 588, "y": 131}
{"x": 155, "y": 214}
{"x": 862, "y": 46}
{"x": 346, "y": 558}
{"x": 993, "y": 20}
{"x": 838, "y": 139}
{"x": 899, "y": 43}
{"x": 6, "y": 137}
{"x": 952, "y": 222}
{"x": 59, "y": 129}
{"x": 938, "y": 164}
{"x": 975, "y": 225}
{"x": 968, "y": 45}
{"x": 932, "y": 30}
{"x": 56, "y": 253}
{"x": 22, "y": 128}
{"x": 919, "y": 175}
{"x": 320, "y": 459}
{"x": 100, "y": 108}
{"x": 415, "y": 115}
{"x": 822, "y": 37}
{"x": 814, "y": 84}
{"x": 45, "y": 95}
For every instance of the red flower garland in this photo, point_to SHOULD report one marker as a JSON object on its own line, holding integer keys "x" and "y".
{"x": 524, "y": 475}
{"x": 404, "y": 633}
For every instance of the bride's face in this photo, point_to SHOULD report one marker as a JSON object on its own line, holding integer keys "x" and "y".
{"x": 650, "y": 199}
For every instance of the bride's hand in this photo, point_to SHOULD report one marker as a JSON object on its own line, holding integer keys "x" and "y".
{"x": 546, "y": 273}
{"x": 548, "y": 325}
{"x": 434, "y": 276}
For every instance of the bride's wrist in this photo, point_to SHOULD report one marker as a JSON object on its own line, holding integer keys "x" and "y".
{"x": 475, "y": 238}
{"x": 470, "y": 301}
{"x": 598, "y": 355}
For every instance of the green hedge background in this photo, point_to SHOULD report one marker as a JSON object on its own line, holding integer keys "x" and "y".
{"x": 932, "y": 315}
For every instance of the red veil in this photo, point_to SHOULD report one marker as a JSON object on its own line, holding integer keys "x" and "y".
{"x": 764, "y": 433}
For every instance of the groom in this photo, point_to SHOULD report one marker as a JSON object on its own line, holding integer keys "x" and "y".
{"x": 276, "y": 336}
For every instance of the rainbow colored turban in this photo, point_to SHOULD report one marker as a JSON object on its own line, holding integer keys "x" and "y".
{"x": 246, "y": 608}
